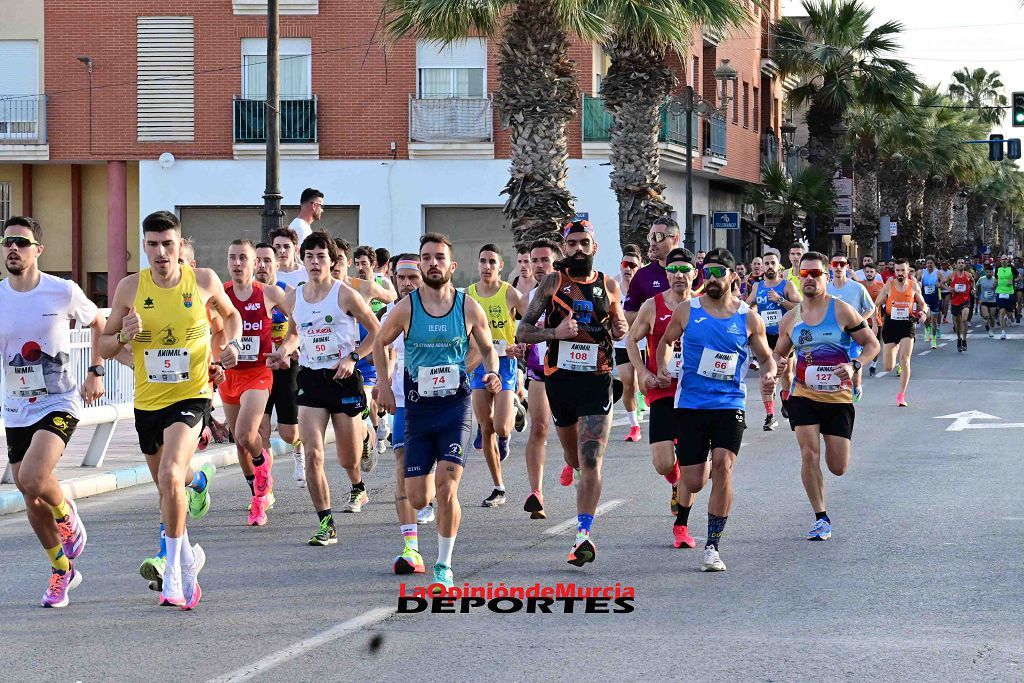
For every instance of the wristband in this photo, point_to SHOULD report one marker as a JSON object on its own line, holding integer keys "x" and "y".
{"x": 237, "y": 344}
{"x": 121, "y": 340}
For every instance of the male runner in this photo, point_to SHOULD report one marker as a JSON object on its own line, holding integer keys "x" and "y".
{"x": 862, "y": 276}
{"x": 987, "y": 302}
{"x": 756, "y": 270}
{"x": 821, "y": 331}
{"x": 283, "y": 394}
{"x": 1018, "y": 285}
{"x": 624, "y": 368}
{"x": 796, "y": 252}
{"x": 1005, "y": 300}
{"x": 717, "y": 328}
{"x": 898, "y": 296}
{"x": 930, "y": 280}
{"x": 651, "y": 322}
{"x": 872, "y": 282}
{"x": 961, "y": 284}
{"x": 524, "y": 281}
{"x": 854, "y": 294}
{"x": 495, "y": 412}
{"x": 583, "y": 316}
{"x": 651, "y": 279}
{"x": 161, "y": 313}
{"x": 946, "y": 274}
{"x": 323, "y": 328}
{"x": 42, "y": 404}
{"x": 311, "y": 209}
{"x": 247, "y": 386}
{"x": 773, "y": 297}
{"x": 289, "y": 271}
{"x": 383, "y": 261}
{"x": 438, "y": 322}
{"x": 365, "y": 261}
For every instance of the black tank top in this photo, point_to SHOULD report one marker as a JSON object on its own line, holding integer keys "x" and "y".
{"x": 588, "y": 304}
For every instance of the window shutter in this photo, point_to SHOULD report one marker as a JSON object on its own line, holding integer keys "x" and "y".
{"x": 166, "y": 79}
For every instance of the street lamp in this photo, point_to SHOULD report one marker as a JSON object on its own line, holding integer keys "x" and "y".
{"x": 687, "y": 102}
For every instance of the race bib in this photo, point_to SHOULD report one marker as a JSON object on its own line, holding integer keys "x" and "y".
{"x": 675, "y": 366}
{"x": 577, "y": 356}
{"x": 718, "y": 365}
{"x": 249, "y": 349}
{"x": 900, "y": 313}
{"x": 323, "y": 348}
{"x": 822, "y": 378}
{"x": 167, "y": 366}
{"x": 1003, "y": 295}
{"x": 440, "y": 380}
{"x": 501, "y": 347}
{"x": 771, "y": 318}
{"x": 929, "y": 289}
{"x": 960, "y": 287}
{"x": 25, "y": 381}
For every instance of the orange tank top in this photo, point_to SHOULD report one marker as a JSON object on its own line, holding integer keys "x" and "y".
{"x": 899, "y": 304}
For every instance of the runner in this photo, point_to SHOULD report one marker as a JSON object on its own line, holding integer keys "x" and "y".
{"x": 42, "y": 402}
{"x": 324, "y": 329}
{"x": 495, "y": 412}
{"x": 773, "y": 297}
{"x": 311, "y": 209}
{"x": 856, "y": 296}
{"x": 930, "y": 279}
{"x": 285, "y": 244}
{"x": 283, "y": 394}
{"x": 987, "y": 302}
{"x": 523, "y": 281}
{"x": 438, "y": 322}
{"x": 796, "y": 252}
{"x": 862, "y": 276}
{"x": 161, "y": 313}
{"x": 383, "y": 261}
{"x": 247, "y": 386}
{"x": 365, "y": 261}
{"x": 872, "y": 282}
{"x": 821, "y": 331}
{"x": 756, "y": 270}
{"x": 716, "y": 329}
{"x": 946, "y": 274}
{"x": 650, "y": 324}
{"x": 1018, "y": 285}
{"x": 1004, "y": 294}
{"x": 899, "y": 295}
{"x": 651, "y": 279}
{"x": 583, "y": 316}
{"x": 624, "y": 368}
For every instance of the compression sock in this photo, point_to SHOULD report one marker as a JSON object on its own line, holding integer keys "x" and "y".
{"x": 173, "y": 553}
{"x": 410, "y": 536}
{"x": 444, "y": 549}
{"x": 250, "y": 479}
{"x": 198, "y": 481}
{"x": 769, "y": 407}
{"x": 61, "y": 511}
{"x": 631, "y": 416}
{"x": 583, "y": 523}
{"x": 784, "y": 395}
{"x": 57, "y": 559}
{"x": 187, "y": 558}
{"x": 683, "y": 516}
{"x": 822, "y": 515}
{"x": 163, "y": 542}
{"x": 716, "y": 525}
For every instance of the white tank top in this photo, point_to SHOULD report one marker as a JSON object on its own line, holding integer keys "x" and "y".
{"x": 327, "y": 333}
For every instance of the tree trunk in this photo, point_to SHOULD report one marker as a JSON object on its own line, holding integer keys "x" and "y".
{"x": 537, "y": 96}
{"x": 865, "y": 210}
{"x": 932, "y": 213}
{"x": 785, "y": 233}
{"x": 637, "y": 84}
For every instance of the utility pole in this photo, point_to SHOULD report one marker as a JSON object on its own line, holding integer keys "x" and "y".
{"x": 273, "y": 216}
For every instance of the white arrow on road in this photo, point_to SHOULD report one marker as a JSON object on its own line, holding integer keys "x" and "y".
{"x": 962, "y": 421}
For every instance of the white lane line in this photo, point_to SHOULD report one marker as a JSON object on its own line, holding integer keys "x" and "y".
{"x": 570, "y": 523}
{"x": 882, "y": 374}
{"x": 925, "y": 353}
{"x": 943, "y": 344}
{"x": 294, "y": 650}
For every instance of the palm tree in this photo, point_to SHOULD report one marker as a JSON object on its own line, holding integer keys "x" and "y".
{"x": 866, "y": 126}
{"x": 639, "y": 79}
{"x": 791, "y": 199}
{"x": 537, "y": 89}
{"x": 982, "y": 91}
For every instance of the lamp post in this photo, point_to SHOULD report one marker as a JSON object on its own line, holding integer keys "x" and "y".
{"x": 272, "y": 214}
{"x": 687, "y": 102}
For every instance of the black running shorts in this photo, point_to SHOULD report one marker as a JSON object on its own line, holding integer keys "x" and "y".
{"x": 150, "y": 424}
{"x": 572, "y": 395}
{"x": 698, "y": 432}
{"x": 661, "y": 426}
{"x": 283, "y": 396}
{"x": 834, "y": 419}
{"x": 19, "y": 439}
{"x": 319, "y": 389}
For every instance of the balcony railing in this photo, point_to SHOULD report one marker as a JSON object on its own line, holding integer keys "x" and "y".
{"x": 23, "y": 120}
{"x": 297, "y": 121}
{"x": 597, "y": 123}
{"x": 717, "y": 142}
{"x": 451, "y": 119}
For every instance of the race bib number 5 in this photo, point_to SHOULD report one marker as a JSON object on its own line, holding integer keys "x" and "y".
{"x": 167, "y": 366}
{"x": 577, "y": 357}
{"x": 25, "y": 381}
{"x": 718, "y": 365}
{"x": 440, "y": 380}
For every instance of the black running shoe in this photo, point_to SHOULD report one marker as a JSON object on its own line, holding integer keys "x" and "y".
{"x": 535, "y": 506}
{"x": 785, "y": 408}
{"x": 520, "y": 423}
{"x": 770, "y": 423}
{"x": 583, "y": 551}
{"x": 326, "y": 534}
{"x": 872, "y": 371}
{"x": 494, "y": 500}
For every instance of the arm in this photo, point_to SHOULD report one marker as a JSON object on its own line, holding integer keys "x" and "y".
{"x": 792, "y": 298}
{"x": 213, "y": 291}
{"x": 515, "y": 300}
{"x": 633, "y": 299}
{"x": 92, "y": 388}
{"x": 278, "y": 299}
{"x": 393, "y": 325}
{"x": 759, "y": 346}
{"x": 278, "y": 359}
{"x": 619, "y": 324}
{"x": 638, "y": 330}
{"x": 784, "y": 346}
{"x": 124, "y": 323}
{"x": 882, "y": 296}
{"x": 528, "y": 332}
{"x": 374, "y": 291}
{"x": 919, "y": 300}
{"x": 851, "y": 321}
{"x": 752, "y": 297}
{"x": 480, "y": 331}
{"x": 676, "y": 325}
{"x": 350, "y": 301}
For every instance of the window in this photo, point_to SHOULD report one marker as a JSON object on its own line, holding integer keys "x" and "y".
{"x": 456, "y": 70}
{"x": 746, "y": 105}
{"x": 165, "y": 64}
{"x": 5, "y": 201}
{"x": 757, "y": 109}
{"x": 97, "y": 289}
{"x": 735, "y": 103}
{"x": 695, "y": 75}
{"x": 294, "y": 68}
{"x": 19, "y": 80}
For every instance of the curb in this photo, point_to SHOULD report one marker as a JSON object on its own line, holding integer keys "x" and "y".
{"x": 95, "y": 484}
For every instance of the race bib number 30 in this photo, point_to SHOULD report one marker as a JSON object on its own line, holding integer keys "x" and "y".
{"x": 250, "y": 349}
{"x": 718, "y": 365}
{"x": 440, "y": 380}
{"x": 577, "y": 356}
{"x": 167, "y": 366}
{"x": 25, "y": 381}
{"x": 822, "y": 378}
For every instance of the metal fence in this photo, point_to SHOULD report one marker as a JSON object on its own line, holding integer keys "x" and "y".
{"x": 451, "y": 119}
{"x": 597, "y": 123}
{"x": 718, "y": 134}
{"x": 297, "y": 120}
{"x": 23, "y": 119}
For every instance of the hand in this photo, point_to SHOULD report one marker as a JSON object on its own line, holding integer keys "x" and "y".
{"x": 767, "y": 384}
{"x": 92, "y": 388}
{"x": 493, "y": 382}
{"x": 518, "y": 350}
{"x": 664, "y": 377}
{"x": 344, "y": 368}
{"x": 647, "y": 378}
{"x": 278, "y": 361}
{"x": 844, "y": 371}
{"x": 374, "y": 393}
{"x": 386, "y": 398}
{"x": 567, "y": 329}
{"x": 131, "y": 325}
{"x": 782, "y": 364}
{"x": 217, "y": 374}
{"x": 619, "y": 328}
{"x": 229, "y": 356}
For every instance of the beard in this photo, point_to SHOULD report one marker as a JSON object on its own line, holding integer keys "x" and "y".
{"x": 15, "y": 267}
{"x": 901, "y": 278}
{"x": 715, "y": 289}
{"x": 770, "y": 273}
{"x": 263, "y": 278}
{"x": 437, "y": 281}
{"x": 580, "y": 265}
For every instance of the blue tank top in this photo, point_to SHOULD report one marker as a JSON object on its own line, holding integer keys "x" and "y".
{"x": 714, "y": 360}
{"x": 930, "y": 285}
{"x": 365, "y": 365}
{"x": 768, "y": 309}
{"x": 819, "y": 348}
{"x": 435, "y": 353}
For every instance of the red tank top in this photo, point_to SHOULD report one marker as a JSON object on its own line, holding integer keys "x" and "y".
{"x": 961, "y": 286}
{"x": 256, "y": 327}
{"x": 662, "y": 316}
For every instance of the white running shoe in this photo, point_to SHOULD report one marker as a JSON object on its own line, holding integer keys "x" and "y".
{"x": 172, "y": 594}
{"x": 190, "y": 577}
{"x": 425, "y": 515}
{"x": 1002, "y": 335}
{"x": 300, "y": 468}
{"x": 382, "y": 428}
{"x": 712, "y": 562}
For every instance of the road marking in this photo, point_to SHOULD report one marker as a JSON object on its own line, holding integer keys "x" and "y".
{"x": 925, "y": 353}
{"x": 962, "y": 421}
{"x": 882, "y": 374}
{"x": 942, "y": 344}
{"x": 294, "y": 650}
{"x": 570, "y": 523}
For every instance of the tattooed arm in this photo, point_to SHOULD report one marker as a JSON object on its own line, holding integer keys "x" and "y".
{"x": 528, "y": 332}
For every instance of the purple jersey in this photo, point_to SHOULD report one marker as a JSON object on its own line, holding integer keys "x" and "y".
{"x": 647, "y": 282}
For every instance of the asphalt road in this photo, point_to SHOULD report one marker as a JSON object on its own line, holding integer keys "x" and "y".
{"x": 922, "y": 579}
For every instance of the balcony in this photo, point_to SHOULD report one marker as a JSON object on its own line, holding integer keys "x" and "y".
{"x": 715, "y": 138}
{"x": 597, "y": 123}
{"x": 23, "y": 128}
{"x": 297, "y": 125}
{"x": 451, "y": 128}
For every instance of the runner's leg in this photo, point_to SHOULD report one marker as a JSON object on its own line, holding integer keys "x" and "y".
{"x": 39, "y": 486}
{"x": 536, "y": 443}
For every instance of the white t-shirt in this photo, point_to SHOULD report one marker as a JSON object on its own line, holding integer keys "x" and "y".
{"x": 295, "y": 278}
{"x": 398, "y": 374}
{"x": 301, "y": 228}
{"x": 859, "y": 275}
{"x": 36, "y": 342}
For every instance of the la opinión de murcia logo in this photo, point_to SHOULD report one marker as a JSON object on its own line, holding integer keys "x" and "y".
{"x": 560, "y": 598}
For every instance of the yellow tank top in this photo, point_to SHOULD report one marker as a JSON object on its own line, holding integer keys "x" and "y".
{"x": 503, "y": 325}
{"x": 173, "y": 349}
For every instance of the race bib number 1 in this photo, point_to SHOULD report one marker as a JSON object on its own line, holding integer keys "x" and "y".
{"x": 440, "y": 380}
{"x": 577, "y": 356}
{"x": 718, "y": 365}
{"x": 25, "y": 381}
{"x": 167, "y": 366}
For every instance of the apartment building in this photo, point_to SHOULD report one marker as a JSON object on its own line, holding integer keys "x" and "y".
{"x": 119, "y": 109}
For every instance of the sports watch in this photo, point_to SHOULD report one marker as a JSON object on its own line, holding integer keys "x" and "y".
{"x": 856, "y": 365}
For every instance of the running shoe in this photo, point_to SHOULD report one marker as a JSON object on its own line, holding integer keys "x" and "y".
{"x": 959, "y": 345}
{"x": 583, "y": 551}
{"x": 673, "y": 476}
{"x": 199, "y": 501}
{"x": 673, "y": 503}
{"x": 770, "y": 423}
{"x": 356, "y": 500}
{"x": 641, "y": 403}
{"x": 382, "y": 445}
{"x": 753, "y": 365}
{"x": 634, "y": 434}
{"x": 682, "y": 538}
{"x": 991, "y": 334}
{"x": 872, "y": 370}
{"x": 152, "y": 569}
{"x": 784, "y": 407}
{"x": 565, "y": 479}
{"x": 712, "y": 561}
{"x": 1002, "y": 335}
{"x": 820, "y": 531}
{"x": 264, "y": 479}
{"x": 368, "y": 461}
{"x": 535, "y": 505}
{"x": 190, "y": 578}
{"x": 901, "y": 400}
{"x": 899, "y": 370}
{"x": 935, "y": 343}
{"x": 965, "y": 343}
{"x": 858, "y": 393}
{"x": 409, "y": 562}
{"x": 478, "y": 440}
{"x": 205, "y": 437}
{"x": 172, "y": 594}
{"x": 61, "y": 583}
{"x": 502, "y": 448}
{"x": 326, "y": 534}
{"x": 270, "y": 500}
{"x": 382, "y": 429}
{"x": 300, "y": 469}
{"x": 257, "y": 511}
{"x": 426, "y": 515}
{"x": 443, "y": 575}
{"x": 520, "y": 423}
{"x": 494, "y": 500}
{"x": 72, "y": 532}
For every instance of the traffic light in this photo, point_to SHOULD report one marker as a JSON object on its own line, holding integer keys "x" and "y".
{"x": 1013, "y": 148}
{"x": 1017, "y": 110}
{"x": 995, "y": 147}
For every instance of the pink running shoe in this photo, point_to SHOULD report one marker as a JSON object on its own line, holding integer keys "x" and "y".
{"x": 901, "y": 400}
{"x": 61, "y": 583}
{"x": 264, "y": 479}
{"x": 567, "y": 475}
{"x": 673, "y": 476}
{"x": 634, "y": 434}
{"x": 205, "y": 437}
{"x": 190, "y": 578}
{"x": 257, "y": 512}
{"x": 172, "y": 595}
{"x": 72, "y": 533}
{"x": 682, "y": 537}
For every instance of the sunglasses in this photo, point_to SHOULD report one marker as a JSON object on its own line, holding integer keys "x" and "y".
{"x": 811, "y": 272}
{"x": 679, "y": 268}
{"x": 19, "y": 241}
{"x": 657, "y": 237}
{"x": 629, "y": 264}
{"x": 840, "y": 264}
{"x": 714, "y": 271}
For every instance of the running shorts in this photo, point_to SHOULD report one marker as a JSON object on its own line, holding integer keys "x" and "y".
{"x": 438, "y": 431}
{"x": 895, "y": 330}
{"x": 506, "y": 370}
{"x": 150, "y": 424}
{"x": 957, "y": 310}
{"x": 833, "y": 419}
{"x": 237, "y": 382}
{"x": 283, "y": 396}
{"x": 661, "y": 419}
{"x": 698, "y": 432}
{"x": 773, "y": 339}
{"x": 398, "y": 429}
{"x": 59, "y": 422}
{"x": 319, "y": 389}
{"x": 572, "y": 395}
{"x": 1006, "y": 302}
